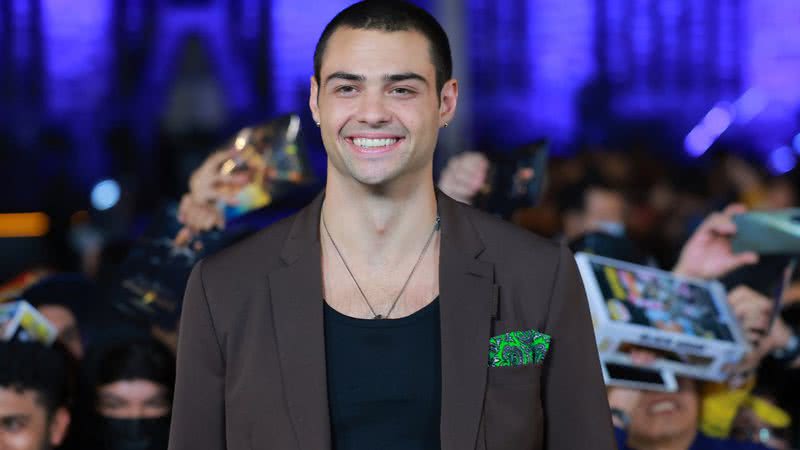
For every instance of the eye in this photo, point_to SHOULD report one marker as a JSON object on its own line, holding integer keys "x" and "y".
{"x": 12, "y": 424}
{"x": 110, "y": 403}
{"x": 158, "y": 403}
{"x": 346, "y": 90}
{"x": 402, "y": 91}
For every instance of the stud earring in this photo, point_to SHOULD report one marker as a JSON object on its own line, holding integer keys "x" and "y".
{"x": 446, "y": 124}
{"x": 317, "y": 124}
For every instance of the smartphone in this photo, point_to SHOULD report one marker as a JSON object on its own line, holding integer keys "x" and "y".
{"x": 775, "y": 232}
{"x": 507, "y": 187}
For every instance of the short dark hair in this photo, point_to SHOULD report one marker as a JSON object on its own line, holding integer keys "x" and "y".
{"x": 388, "y": 16}
{"x": 31, "y": 366}
{"x": 141, "y": 358}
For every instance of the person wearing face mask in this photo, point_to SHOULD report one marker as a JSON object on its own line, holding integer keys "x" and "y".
{"x": 593, "y": 206}
{"x": 128, "y": 396}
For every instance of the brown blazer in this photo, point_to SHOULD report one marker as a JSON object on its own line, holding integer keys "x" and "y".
{"x": 251, "y": 352}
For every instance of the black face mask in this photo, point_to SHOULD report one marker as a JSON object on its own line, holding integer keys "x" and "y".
{"x": 133, "y": 434}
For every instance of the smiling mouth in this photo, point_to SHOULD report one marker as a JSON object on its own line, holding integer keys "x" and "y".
{"x": 374, "y": 145}
{"x": 663, "y": 407}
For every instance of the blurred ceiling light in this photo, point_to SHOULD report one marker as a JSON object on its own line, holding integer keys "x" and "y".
{"x": 750, "y": 104}
{"x": 719, "y": 118}
{"x": 698, "y": 141}
{"x": 18, "y": 225}
{"x": 702, "y": 136}
{"x": 105, "y": 195}
{"x": 781, "y": 160}
{"x": 796, "y": 143}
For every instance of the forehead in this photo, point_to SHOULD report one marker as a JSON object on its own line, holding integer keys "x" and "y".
{"x": 377, "y": 53}
{"x": 19, "y": 402}
{"x": 58, "y": 313}
{"x": 133, "y": 390}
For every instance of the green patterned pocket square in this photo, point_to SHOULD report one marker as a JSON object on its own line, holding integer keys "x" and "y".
{"x": 518, "y": 348}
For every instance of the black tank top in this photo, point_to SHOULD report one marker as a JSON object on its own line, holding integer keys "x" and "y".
{"x": 384, "y": 380}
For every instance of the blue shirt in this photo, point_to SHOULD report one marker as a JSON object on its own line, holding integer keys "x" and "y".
{"x": 701, "y": 442}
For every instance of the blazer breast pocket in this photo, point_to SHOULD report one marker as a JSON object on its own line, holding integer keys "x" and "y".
{"x": 513, "y": 408}
{"x": 519, "y": 375}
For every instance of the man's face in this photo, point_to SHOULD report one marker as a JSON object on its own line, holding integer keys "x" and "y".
{"x": 664, "y": 416}
{"x": 67, "y": 327}
{"x": 378, "y": 106}
{"x": 133, "y": 399}
{"x": 24, "y": 424}
{"x": 604, "y": 206}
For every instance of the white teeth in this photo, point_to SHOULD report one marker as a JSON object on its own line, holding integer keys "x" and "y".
{"x": 663, "y": 407}
{"x": 371, "y": 143}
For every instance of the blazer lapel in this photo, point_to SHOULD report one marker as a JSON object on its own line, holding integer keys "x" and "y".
{"x": 465, "y": 294}
{"x": 466, "y": 289}
{"x": 296, "y": 294}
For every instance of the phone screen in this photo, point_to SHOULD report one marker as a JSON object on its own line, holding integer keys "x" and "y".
{"x": 620, "y": 374}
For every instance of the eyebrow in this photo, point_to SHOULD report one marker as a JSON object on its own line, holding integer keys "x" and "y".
{"x": 390, "y": 78}
{"x": 156, "y": 399}
{"x": 345, "y": 76}
{"x": 404, "y": 77}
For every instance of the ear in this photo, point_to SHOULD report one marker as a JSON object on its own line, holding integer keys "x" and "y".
{"x": 447, "y": 102}
{"x": 312, "y": 99}
{"x": 59, "y": 426}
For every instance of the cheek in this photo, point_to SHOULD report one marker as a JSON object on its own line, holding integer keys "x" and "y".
{"x": 336, "y": 111}
{"x": 121, "y": 412}
{"x": 691, "y": 411}
{"x": 23, "y": 440}
{"x": 154, "y": 412}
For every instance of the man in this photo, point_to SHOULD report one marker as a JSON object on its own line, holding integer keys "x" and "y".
{"x": 33, "y": 396}
{"x": 648, "y": 420}
{"x": 386, "y": 315}
{"x": 665, "y": 421}
{"x": 592, "y": 206}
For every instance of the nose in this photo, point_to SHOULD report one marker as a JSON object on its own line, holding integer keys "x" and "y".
{"x": 373, "y": 111}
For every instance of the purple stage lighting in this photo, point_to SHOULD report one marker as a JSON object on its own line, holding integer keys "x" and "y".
{"x": 718, "y": 119}
{"x": 698, "y": 141}
{"x": 750, "y": 104}
{"x": 781, "y": 160}
{"x": 796, "y": 143}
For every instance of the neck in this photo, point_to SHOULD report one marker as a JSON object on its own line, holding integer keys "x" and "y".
{"x": 678, "y": 442}
{"x": 382, "y": 223}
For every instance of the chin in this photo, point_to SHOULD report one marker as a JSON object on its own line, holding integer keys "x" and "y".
{"x": 667, "y": 429}
{"x": 373, "y": 174}
{"x": 373, "y": 180}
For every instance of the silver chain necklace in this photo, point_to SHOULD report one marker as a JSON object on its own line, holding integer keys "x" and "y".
{"x": 413, "y": 269}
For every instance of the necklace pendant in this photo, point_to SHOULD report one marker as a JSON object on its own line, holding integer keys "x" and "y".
{"x": 377, "y": 317}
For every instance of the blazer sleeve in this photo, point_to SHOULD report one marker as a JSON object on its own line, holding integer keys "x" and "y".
{"x": 198, "y": 410}
{"x": 576, "y": 412}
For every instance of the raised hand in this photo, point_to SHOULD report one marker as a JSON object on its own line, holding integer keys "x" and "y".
{"x": 708, "y": 253}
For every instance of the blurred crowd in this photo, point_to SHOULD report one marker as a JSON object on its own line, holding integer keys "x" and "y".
{"x": 106, "y": 383}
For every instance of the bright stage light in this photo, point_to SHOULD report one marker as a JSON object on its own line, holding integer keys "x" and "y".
{"x": 105, "y": 195}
